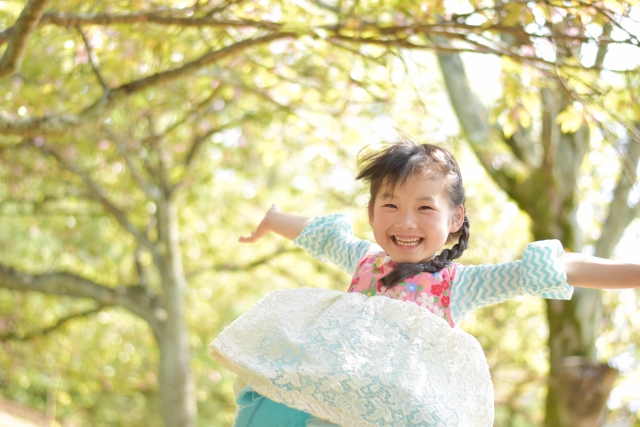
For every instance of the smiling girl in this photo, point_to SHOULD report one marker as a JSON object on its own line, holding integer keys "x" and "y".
{"x": 387, "y": 352}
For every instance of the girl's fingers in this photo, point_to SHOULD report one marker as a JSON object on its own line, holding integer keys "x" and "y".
{"x": 249, "y": 239}
{"x": 261, "y": 230}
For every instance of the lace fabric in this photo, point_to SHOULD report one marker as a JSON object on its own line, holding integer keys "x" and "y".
{"x": 355, "y": 360}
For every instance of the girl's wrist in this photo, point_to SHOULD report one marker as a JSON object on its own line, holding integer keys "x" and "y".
{"x": 268, "y": 220}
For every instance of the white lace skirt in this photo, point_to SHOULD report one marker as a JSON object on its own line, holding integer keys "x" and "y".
{"x": 359, "y": 361}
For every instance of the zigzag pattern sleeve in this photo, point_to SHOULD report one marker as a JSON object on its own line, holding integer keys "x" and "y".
{"x": 330, "y": 238}
{"x": 538, "y": 274}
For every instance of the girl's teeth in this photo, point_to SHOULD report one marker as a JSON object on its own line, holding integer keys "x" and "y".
{"x": 413, "y": 242}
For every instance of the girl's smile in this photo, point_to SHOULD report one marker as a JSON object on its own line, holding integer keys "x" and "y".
{"x": 412, "y": 221}
{"x": 407, "y": 241}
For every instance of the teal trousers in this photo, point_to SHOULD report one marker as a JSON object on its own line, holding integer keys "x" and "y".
{"x": 255, "y": 410}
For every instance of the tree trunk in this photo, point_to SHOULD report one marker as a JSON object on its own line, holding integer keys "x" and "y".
{"x": 578, "y": 386}
{"x": 177, "y": 394}
{"x": 177, "y": 386}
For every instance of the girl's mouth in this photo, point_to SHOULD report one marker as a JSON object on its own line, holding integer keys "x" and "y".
{"x": 407, "y": 241}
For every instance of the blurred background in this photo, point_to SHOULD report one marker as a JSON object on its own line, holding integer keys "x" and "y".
{"x": 140, "y": 139}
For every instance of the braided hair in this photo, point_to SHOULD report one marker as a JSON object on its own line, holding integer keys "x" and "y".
{"x": 397, "y": 162}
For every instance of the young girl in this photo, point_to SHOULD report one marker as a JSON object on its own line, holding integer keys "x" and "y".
{"x": 387, "y": 352}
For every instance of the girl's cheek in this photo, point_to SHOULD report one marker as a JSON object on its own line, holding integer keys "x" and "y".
{"x": 387, "y": 216}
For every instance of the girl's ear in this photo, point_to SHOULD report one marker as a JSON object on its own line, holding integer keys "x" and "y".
{"x": 457, "y": 219}
{"x": 370, "y": 216}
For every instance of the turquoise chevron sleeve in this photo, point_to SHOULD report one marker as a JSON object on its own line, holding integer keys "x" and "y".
{"x": 330, "y": 238}
{"x": 537, "y": 274}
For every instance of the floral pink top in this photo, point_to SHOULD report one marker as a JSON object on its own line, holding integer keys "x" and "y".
{"x": 429, "y": 290}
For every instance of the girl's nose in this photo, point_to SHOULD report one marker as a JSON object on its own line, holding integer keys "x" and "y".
{"x": 406, "y": 220}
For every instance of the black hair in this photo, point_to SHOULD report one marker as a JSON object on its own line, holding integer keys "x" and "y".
{"x": 397, "y": 162}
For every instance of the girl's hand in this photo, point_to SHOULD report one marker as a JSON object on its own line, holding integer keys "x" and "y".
{"x": 263, "y": 228}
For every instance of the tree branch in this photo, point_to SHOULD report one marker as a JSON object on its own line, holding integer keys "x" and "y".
{"x": 69, "y": 20}
{"x": 140, "y": 268}
{"x": 223, "y": 6}
{"x": 193, "y": 66}
{"x": 137, "y": 299}
{"x": 475, "y": 47}
{"x": 100, "y": 195}
{"x": 90, "y": 55}
{"x": 198, "y": 140}
{"x": 455, "y": 25}
{"x": 503, "y": 167}
{"x": 150, "y": 189}
{"x": 22, "y": 30}
{"x": 256, "y": 263}
{"x": 90, "y": 116}
{"x": 379, "y": 60}
{"x": 45, "y": 331}
{"x": 602, "y": 49}
{"x": 193, "y": 111}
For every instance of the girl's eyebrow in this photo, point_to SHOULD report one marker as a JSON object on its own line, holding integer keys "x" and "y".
{"x": 384, "y": 196}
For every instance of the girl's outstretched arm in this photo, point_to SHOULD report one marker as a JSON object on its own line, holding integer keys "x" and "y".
{"x": 586, "y": 271}
{"x": 284, "y": 224}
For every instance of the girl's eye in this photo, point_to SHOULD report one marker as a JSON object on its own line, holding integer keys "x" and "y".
{"x": 389, "y": 205}
{"x": 424, "y": 208}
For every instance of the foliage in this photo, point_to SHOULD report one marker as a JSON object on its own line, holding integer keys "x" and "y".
{"x": 227, "y": 107}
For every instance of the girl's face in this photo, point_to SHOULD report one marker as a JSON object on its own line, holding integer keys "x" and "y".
{"x": 412, "y": 221}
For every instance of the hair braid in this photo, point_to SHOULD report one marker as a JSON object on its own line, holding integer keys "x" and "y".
{"x": 443, "y": 259}
{"x": 457, "y": 249}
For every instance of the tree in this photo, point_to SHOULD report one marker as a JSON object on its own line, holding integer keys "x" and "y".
{"x": 101, "y": 119}
{"x": 128, "y": 154}
{"x": 546, "y": 186}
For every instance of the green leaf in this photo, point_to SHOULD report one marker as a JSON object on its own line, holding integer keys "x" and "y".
{"x": 570, "y": 120}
